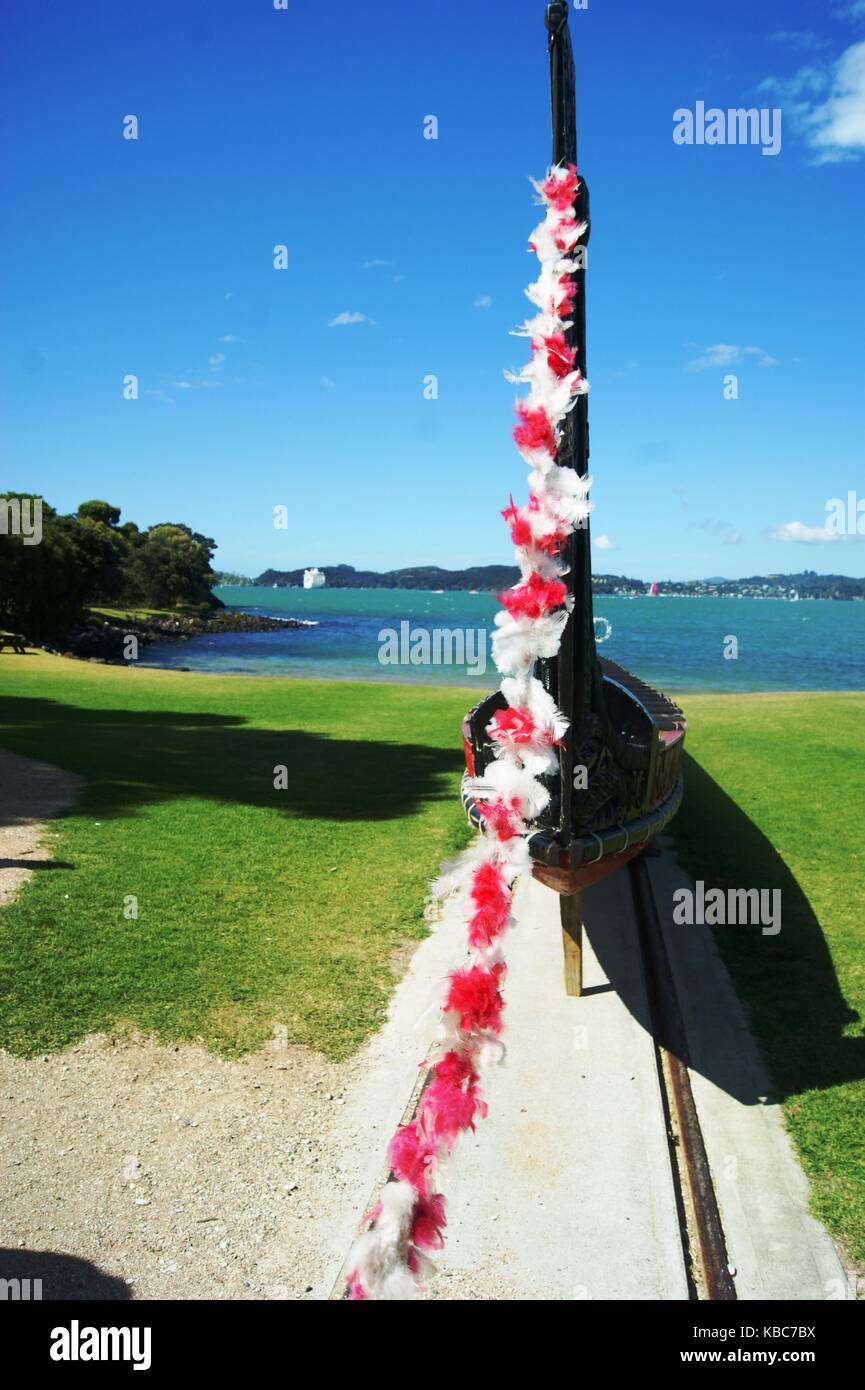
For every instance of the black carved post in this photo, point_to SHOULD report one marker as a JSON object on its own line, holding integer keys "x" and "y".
{"x": 573, "y": 674}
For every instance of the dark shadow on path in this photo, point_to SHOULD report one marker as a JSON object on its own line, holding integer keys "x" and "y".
{"x": 64, "y": 1277}
{"x": 787, "y": 982}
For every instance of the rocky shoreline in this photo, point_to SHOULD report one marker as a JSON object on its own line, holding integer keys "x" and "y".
{"x": 107, "y": 639}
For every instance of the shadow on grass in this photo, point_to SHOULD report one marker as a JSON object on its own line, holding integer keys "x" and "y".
{"x": 37, "y": 865}
{"x": 787, "y": 982}
{"x": 132, "y": 758}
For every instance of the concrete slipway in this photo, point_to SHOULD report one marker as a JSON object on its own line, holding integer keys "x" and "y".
{"x": 566, "y": 1190}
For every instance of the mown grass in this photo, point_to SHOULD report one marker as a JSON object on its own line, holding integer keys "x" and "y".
{"x": 774, "y": 799}
{"x": 256, "y": 907}
{"x": 259, "y": 907}
{"x": 133, "y": 614}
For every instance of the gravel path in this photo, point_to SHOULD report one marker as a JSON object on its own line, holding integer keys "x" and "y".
{"x": 169, "y": 1171}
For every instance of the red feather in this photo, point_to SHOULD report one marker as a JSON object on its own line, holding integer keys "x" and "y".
{"x": 560, "y": 189}
{"x": 505, "y": 821}
{"x": 411, "y": 1154}
{"x": 474, "y": 994}
{"x": 560, "y": 357}
{"x": 513, "y": 725}
{"x": 518, "y": 524}
{"x": 534, "y": 598}
{"x": 565, "y": 305}
{"x": 492, "y": 899}
{"x": 429, "y": 1223}
{"x": 535, "y": 430}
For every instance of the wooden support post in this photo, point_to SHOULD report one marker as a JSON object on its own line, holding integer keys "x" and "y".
{"x": 571, "y": 907}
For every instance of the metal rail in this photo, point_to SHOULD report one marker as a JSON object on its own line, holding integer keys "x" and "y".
{"x": 703, "y": 1242}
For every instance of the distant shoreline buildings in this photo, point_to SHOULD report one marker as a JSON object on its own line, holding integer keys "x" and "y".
{"x": 493, "y": 578}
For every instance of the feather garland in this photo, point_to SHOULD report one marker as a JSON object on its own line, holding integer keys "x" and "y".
{"x": 390, "y": 1259}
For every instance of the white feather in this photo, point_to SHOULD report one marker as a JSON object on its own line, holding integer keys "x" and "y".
{"x": 514, "y": 857}
{"x": 533, "y": 561}
{"x": 519, "y": 642}
{"x": 378, "y": 1257}
{"x": 512, "y": 782}
{"x": 398, "y": 1285}
{"x": 490, "y": 1052}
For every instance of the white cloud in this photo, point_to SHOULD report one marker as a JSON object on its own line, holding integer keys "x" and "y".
{"x": 327, "y": 383}
{"x": 725, "y": 354}
{"x": 838, "y": 125}
{"x": 345, "y": 318}
{"x": 719, "y": 355}
{"x": 229, "y": 294}
{"x": 194, "y": 385}
{"x": 373, "y": 265}
{"x": 809, "y": 81}
{"x": 798, "y": 531}
{"x": 483, "y": 301}
{"x": 603, "y": 542}
{"x": 229, "y": 338}
{"x": 216, "y": 359}
{"x": 826, "y": 103}
{"x": 855, "y": 10}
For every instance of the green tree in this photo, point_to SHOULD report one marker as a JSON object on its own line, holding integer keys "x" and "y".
{"x": 171, "y": 565}
{"x": 89, "y": 558}
{"x": 42, "y": 586}
{"x": 99, "y": 511}
{"x": 101, "y": 554}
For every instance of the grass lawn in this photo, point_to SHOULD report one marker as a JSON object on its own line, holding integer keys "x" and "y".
{"x": 260, "y": 907}
{"x": 256, "y": 906}
{"x": 182, "y": 611}
{"x": 774, "y": 799}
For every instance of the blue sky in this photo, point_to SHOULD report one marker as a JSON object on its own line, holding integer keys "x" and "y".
{"x": 304, "y": 127}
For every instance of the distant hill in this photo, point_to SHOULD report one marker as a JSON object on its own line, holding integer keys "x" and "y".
{"x": 493, "y": 578}
{"x": 418, "y": 577}
{"x": 806, "y": 584}
{"x": 227, "y": 577}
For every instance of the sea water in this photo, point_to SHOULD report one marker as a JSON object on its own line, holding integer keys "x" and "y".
{"x": 680, "y": 644}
